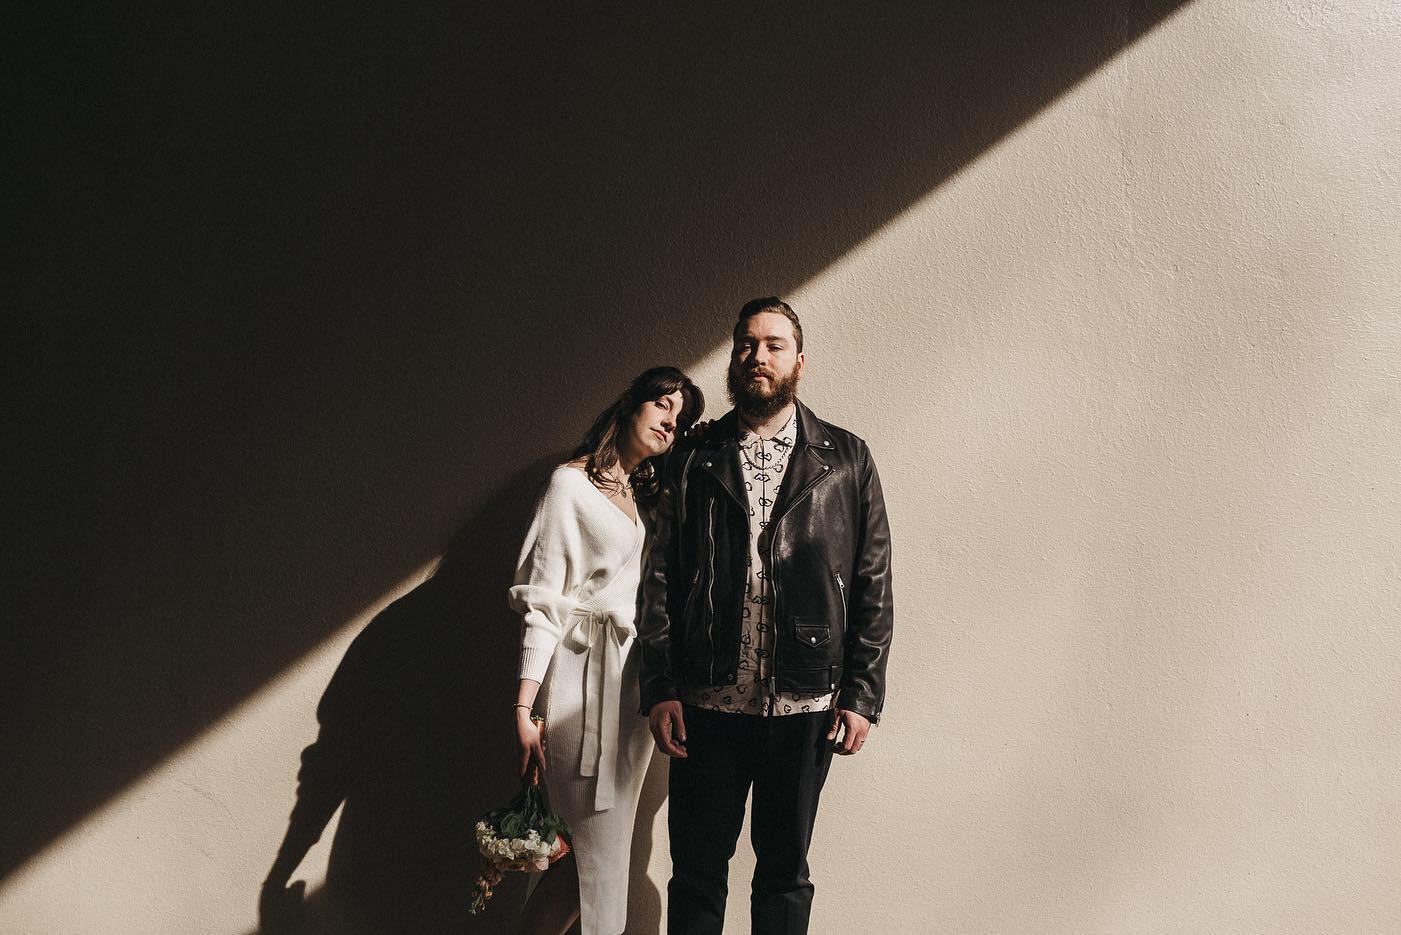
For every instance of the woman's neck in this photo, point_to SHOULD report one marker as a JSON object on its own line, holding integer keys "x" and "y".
{"x": 628, "y": 460}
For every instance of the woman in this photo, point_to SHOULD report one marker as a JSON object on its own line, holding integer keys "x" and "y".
{"x": 576, "y": 587}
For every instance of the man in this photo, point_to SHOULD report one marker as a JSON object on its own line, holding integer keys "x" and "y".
{"x": 765, "y": 628}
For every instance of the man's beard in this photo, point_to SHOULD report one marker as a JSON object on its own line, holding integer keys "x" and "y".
{"x": 746, "y": 397}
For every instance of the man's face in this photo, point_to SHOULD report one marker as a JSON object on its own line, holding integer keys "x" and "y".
{"x": 764, "y": 365}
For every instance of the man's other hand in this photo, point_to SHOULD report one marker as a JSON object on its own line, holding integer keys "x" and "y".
{"x": 668, "y": 728}
{"x": 853, "y": 729}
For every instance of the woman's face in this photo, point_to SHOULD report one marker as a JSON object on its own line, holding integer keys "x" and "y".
{"x": 654, "y": 424}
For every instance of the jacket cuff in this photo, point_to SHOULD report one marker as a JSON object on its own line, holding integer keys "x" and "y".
{"x": 852, "y": 699}
{"x": 657, "y": 691}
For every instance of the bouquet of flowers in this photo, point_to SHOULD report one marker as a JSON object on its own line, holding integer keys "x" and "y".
{"x": 521, "y": 836}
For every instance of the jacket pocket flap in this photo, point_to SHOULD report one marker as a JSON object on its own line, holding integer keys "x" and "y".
{"x": 811, "y": 632}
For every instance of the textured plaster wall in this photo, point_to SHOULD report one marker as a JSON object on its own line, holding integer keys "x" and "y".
{"x": 1131, "y": 380}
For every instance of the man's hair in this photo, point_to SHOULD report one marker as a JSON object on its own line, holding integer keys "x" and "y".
{"x": 770, "y": 303}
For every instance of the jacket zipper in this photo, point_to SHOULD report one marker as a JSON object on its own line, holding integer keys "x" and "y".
{"x": 773, "y": 589}
{"x": 799, "y": 499}
{"x": 841, "y": 589}
{"x": 773, "y": 628}
{"x": 710, "y": 586}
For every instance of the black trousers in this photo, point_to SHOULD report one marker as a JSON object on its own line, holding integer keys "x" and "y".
{"x": 785, "y": 759}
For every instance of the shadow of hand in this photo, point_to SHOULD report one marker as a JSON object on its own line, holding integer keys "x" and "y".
{"x": 281, "y": 910}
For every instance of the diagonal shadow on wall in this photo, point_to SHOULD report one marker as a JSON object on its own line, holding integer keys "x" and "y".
{"x": 310, "y": 287}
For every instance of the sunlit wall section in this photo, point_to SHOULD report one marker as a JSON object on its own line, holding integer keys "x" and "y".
{"x": 1131, "y": 382}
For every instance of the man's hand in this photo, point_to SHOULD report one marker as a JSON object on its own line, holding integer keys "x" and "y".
{"x": 668, "y": 728}
{"x": 698, "y": 428}
{"x": 854, "y": 729}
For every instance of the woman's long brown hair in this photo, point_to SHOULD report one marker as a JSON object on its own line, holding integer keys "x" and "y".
{"x": 599, "y": 449}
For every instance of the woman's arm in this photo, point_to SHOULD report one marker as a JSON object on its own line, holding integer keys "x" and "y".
{"x": 553, "y": 546}
{"x": 529, "y": 742}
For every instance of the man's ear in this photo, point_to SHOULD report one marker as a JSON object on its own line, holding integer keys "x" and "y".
{"x": 802, "y": 359}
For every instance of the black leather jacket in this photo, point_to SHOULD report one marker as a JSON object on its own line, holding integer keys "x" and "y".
{"x": 828, "y": 545}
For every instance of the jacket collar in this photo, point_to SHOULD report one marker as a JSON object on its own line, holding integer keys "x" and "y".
{"x": 810, "y": 429}
{"x": 806, "y": 467}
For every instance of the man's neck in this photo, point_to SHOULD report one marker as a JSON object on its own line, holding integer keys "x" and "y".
{"x": 769, "y": 427}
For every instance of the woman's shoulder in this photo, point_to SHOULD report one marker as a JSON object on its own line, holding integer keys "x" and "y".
{"x": 567, "y": 480}
{"x": 570, "y": 472}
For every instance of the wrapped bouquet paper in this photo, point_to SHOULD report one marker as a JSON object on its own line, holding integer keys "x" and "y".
{"x": 522, "y": 836}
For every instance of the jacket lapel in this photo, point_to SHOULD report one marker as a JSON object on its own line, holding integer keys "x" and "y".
{"x": 806, "y": 468}
{"x": 719, "y": 457}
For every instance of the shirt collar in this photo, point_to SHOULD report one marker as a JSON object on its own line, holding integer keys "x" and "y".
{"x": 783, "y": 438}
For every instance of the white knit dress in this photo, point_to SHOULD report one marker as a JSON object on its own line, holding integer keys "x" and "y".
{"x": 576, "y": 588}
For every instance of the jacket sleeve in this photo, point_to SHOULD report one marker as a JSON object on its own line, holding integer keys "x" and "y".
{"x": 543, "y": 576}
{"x": 660, "y": 681}
{"x": 871, "y": 617}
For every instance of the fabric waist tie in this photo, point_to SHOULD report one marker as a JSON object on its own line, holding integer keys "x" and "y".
{"x": 601, "y": 634}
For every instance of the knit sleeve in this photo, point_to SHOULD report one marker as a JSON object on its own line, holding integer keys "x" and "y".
{"x": 546, "y": 573}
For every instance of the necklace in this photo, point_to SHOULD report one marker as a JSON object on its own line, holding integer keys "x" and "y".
{"x": 624, "y": 486}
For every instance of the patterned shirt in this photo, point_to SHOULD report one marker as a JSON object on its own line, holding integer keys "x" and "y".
{"x": 763, "y": 462}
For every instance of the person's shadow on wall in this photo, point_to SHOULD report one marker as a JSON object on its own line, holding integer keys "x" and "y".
{"x": 416, "y": 741}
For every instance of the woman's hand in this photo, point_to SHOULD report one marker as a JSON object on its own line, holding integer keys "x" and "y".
{"x": 531, "y": 747}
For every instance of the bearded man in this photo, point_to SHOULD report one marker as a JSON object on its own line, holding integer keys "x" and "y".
{"x": 765, "y": 628}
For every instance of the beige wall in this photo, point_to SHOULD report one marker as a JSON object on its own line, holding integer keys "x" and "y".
{"x": 1131, "y": 380}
